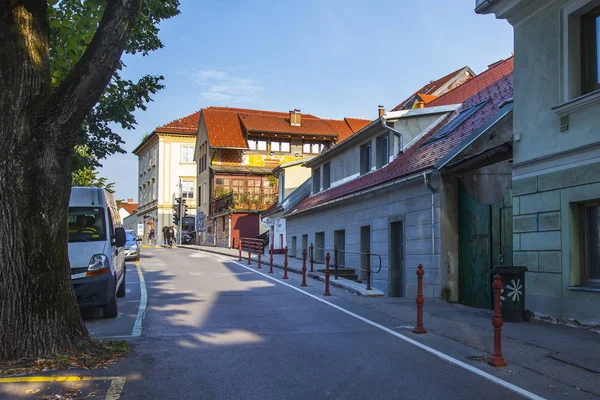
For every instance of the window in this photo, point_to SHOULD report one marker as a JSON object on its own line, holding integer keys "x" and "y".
{"x": 256, "y": 143}
{"x": 312, "y": 148}
{"x": 187, "y": 154}
{"x": 590, "y": 35}
{"x": 200, "y": 192}
{"x": 202, "y": 158}
{"x": 281, "y": 187}
{"x": 383, "y": 151}
{"x": 86, "y": 224}
{"x": 365, "y": 158}
{"x": 187, "y": 189}
{"x": 224, "y": 224}
{"x": 205, "y": 191}
{"x": 316, "y": 180}
{"x": 326, "y": 176}
{"x": 454, "y": 123}
{"x": 282, "y": 145}
{"x": 254, "y": 188}
{"x": 591, "y": 245}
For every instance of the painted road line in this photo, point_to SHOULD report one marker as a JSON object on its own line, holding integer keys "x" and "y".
{"x": 114, "y": 390}
{"x": 437, "y": 353}
{"x": 137, "y": 327}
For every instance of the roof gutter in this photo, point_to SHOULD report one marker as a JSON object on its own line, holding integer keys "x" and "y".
{"x": 484, "y": 5}
{"x": 395, "y": 132}
{"x": 409, "y": 178}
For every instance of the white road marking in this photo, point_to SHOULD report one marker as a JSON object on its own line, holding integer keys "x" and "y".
{"x": 137, "y": 327}
{"x": 439, "y": 354}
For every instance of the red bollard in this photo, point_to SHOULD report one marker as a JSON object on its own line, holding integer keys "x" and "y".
{"x": 240, "y": 250}
{"x": 312, "y": 257}
{"x": 419, "y": 328}
{"x": 285, "y": 263}
{"x": 496, "y": 359}
{"x": 271, "y": 259}
{"x": 259, "y": 254}
{"x": 304, "y": 268}
{"x": 327, "y": 258}
{"x": 249, "y": 253}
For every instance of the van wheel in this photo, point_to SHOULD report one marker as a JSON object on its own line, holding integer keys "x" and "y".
{"x": 121, "y": 290}
{"x": 110, "y": 310}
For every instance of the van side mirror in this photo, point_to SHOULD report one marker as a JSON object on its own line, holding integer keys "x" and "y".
{"x": 139, "y": 240}
{"x": 120, "y": 238}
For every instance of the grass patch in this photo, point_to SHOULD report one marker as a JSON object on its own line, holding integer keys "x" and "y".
{"x": 100, "y": 355}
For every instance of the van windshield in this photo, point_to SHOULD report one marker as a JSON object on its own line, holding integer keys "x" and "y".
{"x": 86, "y": 224}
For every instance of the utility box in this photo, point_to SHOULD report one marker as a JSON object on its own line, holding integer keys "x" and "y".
{"x": 512, "y": 297}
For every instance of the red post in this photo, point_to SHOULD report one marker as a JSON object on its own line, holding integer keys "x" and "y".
{"x": 368, "y": 270}
{"x": 271, "y": 259}
{"x": 240, "y": 250}
{"x": 496, "y": 359}
{"x": 285, "y": 263}
{"x": 419, "y": 328}
{"x": 304, "y": 268}
{"x": 312, "y": 257}
{"x": 327, "y": 258}
{"x": 249, "y": 253}
{"x": 259, "y": 254}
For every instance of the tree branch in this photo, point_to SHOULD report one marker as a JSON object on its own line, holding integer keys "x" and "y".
{"x": 74, "y": 98}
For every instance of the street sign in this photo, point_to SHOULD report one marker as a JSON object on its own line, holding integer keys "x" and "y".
{"x": 140, "y": 230}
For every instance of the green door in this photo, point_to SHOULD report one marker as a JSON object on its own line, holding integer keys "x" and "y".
{"x": 474, "y": 255}
{"x": 485, "y": 241}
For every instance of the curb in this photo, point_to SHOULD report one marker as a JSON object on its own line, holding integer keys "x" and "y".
{"x": 339, "y": 283}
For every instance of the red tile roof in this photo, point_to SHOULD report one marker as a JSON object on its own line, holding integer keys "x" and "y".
{"x": 187, "y": 124}
{"x": 129, "y": 207}
{"x": 227, "y": 126}
{"x": 430, "y": 87}
{"x": 475, "y": 84}
{"x": 421, "y": 156}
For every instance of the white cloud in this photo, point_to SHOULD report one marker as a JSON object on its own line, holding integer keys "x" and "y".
{"x": 219, "y": 86}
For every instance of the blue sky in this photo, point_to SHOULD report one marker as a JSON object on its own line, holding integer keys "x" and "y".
{"x": 330, "y": 58}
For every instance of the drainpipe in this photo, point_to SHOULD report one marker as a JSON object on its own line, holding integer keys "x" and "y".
{"x": 395, "y": 132}
{"x": 427, "y": 181}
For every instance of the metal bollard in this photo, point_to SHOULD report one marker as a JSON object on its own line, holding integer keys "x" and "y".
{"x": 249, "y": 253}
{"x": 271, "y": 259}
{"x": 312, "y": 257}
{"x": 240, "y": 245}
{"x": 419, "y": 328}
{"x": 496, "y": 359}
{"x": 304, "y": 268}
{"x": 368, "y": 270}
{"x": 335, "y": 262}
{"x": 260, "y": 250}
{"x": 327, "y": 258}
{"x": 285, "y": 264}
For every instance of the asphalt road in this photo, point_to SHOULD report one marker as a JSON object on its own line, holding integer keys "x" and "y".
{"x": 214, "y": 329}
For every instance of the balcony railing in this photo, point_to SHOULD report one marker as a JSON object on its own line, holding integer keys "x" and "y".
{"x": 242, "y": 202}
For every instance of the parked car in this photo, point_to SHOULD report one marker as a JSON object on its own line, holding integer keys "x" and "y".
{"x": 96, "y": 253}
{"x": 189, "y": 237}
{"x": 132, "y": 246}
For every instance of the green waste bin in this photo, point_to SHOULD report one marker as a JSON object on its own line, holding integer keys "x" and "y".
{"x": 512, "y": 297}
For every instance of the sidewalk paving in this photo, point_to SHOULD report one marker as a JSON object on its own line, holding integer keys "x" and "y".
{"x": 570, "y": 355}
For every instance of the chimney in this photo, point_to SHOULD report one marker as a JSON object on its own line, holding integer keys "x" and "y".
{"x": 381, "y": 110}
{"x": 130, "y": 200}
{"x": 421, "y": 104}
{"x": 295, "y": 117}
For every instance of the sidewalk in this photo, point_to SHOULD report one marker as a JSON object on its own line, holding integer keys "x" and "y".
{"x": 294, "y": 265}
{"x": 570, "y": 355}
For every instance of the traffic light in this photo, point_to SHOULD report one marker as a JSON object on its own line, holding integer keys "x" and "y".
{"x": 176, "y": 208}
{"x": 184, "y": 208}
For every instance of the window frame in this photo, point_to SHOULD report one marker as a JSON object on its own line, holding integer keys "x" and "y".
{"x": 326, "y": 176}
{"x": 383, "y": 160}
{"x": 280, "y": 141}
{"x": 585, "y": 281}
{"x": 257, "y": 140}
{"x": 590, "y": 56}
{"x": 312, "y": 143}
{"x": 184, "y": 192}
{"x": 316, "y": 180}
{"x": 190, "y": 155}
{"x": 365, "y": 169}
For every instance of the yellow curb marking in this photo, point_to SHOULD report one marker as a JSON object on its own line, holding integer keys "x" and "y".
{"x": 114, "y": 391}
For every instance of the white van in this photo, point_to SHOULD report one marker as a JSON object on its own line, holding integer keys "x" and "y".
{"x": 96, "y": 254}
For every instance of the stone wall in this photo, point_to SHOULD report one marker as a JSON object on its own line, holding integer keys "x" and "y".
{"x": 409, "y": 202}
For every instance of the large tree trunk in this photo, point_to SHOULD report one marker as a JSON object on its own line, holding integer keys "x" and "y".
{"x": 39, "y": 314}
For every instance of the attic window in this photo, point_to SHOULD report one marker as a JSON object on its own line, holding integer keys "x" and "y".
{"x": 455, "y": 123}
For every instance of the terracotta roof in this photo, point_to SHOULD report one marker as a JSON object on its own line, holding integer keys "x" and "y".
{"x": 274, "y": 208}
{"x": 187, "y": 124}
{"x": 129, "y": 207}
{"x": 223, "y": 128}
{"x": 421, "y": 156}
{"x": 430, "y": 87}
{"x": 226, "y": 126}
{"x": 497, "y": 71}
{"x": 277, "y": 124}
